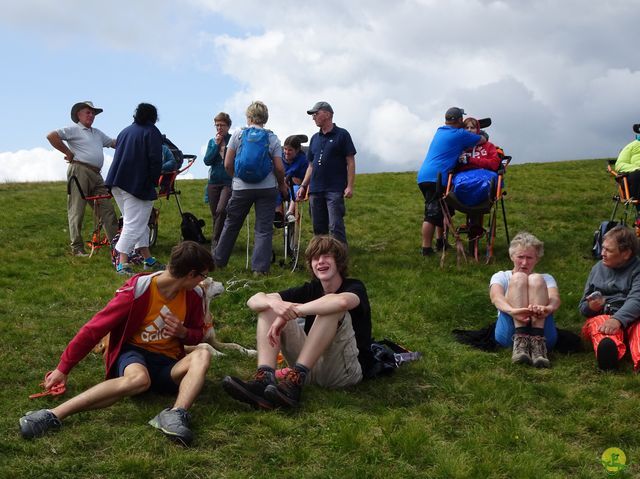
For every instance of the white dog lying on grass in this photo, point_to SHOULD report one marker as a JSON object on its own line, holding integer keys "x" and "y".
{"x": 212, "y": 289}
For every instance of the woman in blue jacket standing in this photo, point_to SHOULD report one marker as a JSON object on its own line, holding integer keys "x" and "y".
{"x": 133, "y": 177}
{"x": 219, "y": 187}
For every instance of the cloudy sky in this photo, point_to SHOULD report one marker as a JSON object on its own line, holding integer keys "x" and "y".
{"x": 560, "y": 79}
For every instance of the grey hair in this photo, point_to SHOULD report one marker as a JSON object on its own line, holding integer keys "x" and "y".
{"x": 524, "y": 240}
{"x": 257, "y": 113}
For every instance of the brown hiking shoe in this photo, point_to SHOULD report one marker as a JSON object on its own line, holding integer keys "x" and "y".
{"x": 539, "y": 352}
{"x": 521, "y": 349}
{"x": 287, "y": 392}
{"x": 250, "y": 392}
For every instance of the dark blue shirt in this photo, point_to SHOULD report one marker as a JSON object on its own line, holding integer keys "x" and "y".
{"x": 297, "y": 168}
{"x": 328, "y": 154}
{"x": 446, "y": 147}
{"x": 137, "y": 162}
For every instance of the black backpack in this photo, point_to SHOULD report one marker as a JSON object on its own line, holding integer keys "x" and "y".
{"x": 191, "y": 228}
{"x": 598, "y": 237}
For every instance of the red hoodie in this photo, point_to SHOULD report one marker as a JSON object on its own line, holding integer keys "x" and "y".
{"x": 483, "y": 156}
{"x": 122, "y": 317}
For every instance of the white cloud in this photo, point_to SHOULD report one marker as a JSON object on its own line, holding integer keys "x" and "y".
{"x": 37, "y": 164}
{"x": 559, "y": 79}
{"x": 547, "y": 72}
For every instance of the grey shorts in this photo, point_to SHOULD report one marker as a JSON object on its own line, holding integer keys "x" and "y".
{"x": 338, "y": 366}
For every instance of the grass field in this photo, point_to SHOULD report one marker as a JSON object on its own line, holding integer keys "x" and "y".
{"x": 456, "y": 413}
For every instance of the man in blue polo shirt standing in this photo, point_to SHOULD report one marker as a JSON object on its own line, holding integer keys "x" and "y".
{"x": 448, "y": 143}
{"x": 330, "y": 175}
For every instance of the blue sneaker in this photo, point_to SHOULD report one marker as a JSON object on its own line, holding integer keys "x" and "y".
{"x": 124, "y": 269}
{"x": 37, "y": 423}
{"x": 152, "y": 264}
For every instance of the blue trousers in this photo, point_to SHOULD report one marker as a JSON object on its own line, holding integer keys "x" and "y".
{"x": 505, "y": 330}
{"x": 327, "y": 214}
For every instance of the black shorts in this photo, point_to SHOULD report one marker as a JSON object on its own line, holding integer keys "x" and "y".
{"x": 432, "y": 209}
{"x": 158, "y": 365}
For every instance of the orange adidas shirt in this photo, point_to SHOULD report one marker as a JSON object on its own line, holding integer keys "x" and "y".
{"x": 152, "y": 334}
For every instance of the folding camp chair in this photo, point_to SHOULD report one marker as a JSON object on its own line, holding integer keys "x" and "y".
{"x": 474, "y": 226}
{"x": 291, "y": 232}
{"x": 625, "y": 198}
{"x": 98, "y": 235}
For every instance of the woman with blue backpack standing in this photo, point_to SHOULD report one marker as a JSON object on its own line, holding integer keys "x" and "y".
{"x": 254, "y": 159}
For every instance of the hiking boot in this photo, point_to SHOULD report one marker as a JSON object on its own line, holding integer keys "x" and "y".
{"x": 152, "y": 264}
{"x": 521, "y": 349}
{"x": 427, "y": 251}
{"x": 250, "y": 392}
{"x": 287, "y": 392}
{"x": 37, "y": 423}
{"x": 174, "y": 423}
{"x": 539, "y": 352}
{"x": 607, "y": 355}
{"x": 124, "y": 269}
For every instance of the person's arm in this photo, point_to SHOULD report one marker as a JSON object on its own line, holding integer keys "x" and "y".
{"x": 60, "y": 145}
{"x": 351, "y": 175}
{"x": 589, "y": 307}
{"x": 487, "y": 159}
{"x": 278, "y": 171}
{"x": 103, "y": 322}
{"x": 262, "y": 301}
{"x": 212, "y": 153}
{"x": 630, "y": 310}
{"x": 329, "y": 304}
{"x": 304, "y": 186}
{"x": 229, "y": 161}
{"x": 544, "y": 310}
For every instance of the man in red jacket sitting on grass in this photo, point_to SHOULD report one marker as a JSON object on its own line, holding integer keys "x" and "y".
{"x": 149, "y": 320}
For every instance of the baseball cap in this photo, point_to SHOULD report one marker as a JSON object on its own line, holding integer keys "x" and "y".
{"x": 454, "y": 113}
{"x": 321, "y": 105}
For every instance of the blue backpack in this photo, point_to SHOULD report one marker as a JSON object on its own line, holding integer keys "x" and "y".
{"x": 253, "y": 163}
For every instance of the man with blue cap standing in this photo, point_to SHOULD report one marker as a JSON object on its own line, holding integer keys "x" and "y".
{"x": 330, "y": 175}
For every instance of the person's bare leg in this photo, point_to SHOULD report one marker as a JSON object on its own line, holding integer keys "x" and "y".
{"x": 190, "y": 373}
{"x": 134, "y": 381}
{"x": 518, "y": 295}
{"x": 538, "y": 294}
{"x": 320, "y": 336}
{"x": 267, "y": 354}
{"x": 427, "y": 234}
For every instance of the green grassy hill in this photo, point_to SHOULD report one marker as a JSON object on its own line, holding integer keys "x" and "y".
{"x": 458, "y": 412}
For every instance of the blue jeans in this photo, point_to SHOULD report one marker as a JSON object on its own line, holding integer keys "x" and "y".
{"x": 505, "y": 330}
{"x": 237, "y": 210}
{"x": 327, "y": 214}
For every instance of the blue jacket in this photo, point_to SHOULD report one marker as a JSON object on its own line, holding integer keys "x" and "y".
{"x": 297, "y": 168}
{"x": 447, "y": 145}
{"x": 137, "y": 162}
{"x": 213, "y": 158}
